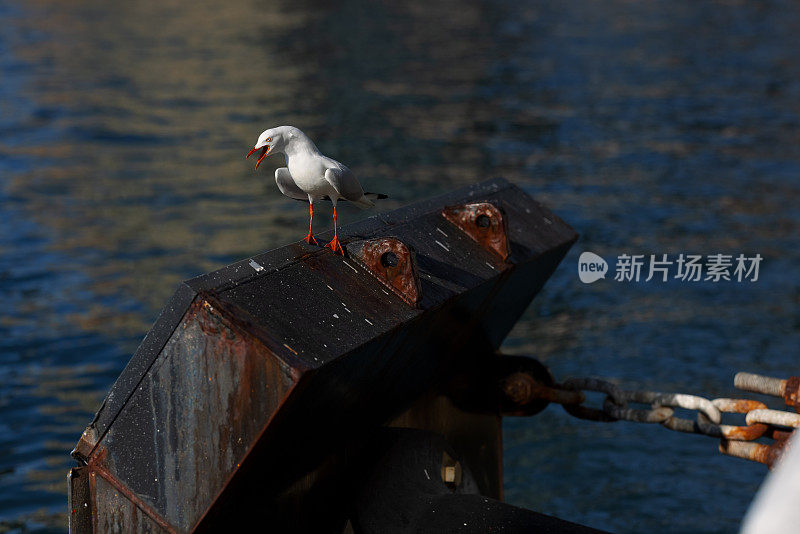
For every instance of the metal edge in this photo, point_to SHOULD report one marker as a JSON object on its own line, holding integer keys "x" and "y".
{"x": 135, "y": 370}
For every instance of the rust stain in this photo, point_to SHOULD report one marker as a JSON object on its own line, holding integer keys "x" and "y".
{"x": 240, "y": 377}
{"x": 757, "y": 452}
{"x": 747, "y": 433}
{"x": 393, "y": 263}
{"x": 211, "y": 322}
{"x": 251, "y": 379}
{"x": 776, "y": 434}
{"x": 97, "y": 467}
{"x": 85, "y": 445}
{"x": 791, "y": 393}
{"x": 236, "y": 322}
{"x": 251, "y": 446}
{"x": 484, "y": 223}
{"x": 257, "y": 381}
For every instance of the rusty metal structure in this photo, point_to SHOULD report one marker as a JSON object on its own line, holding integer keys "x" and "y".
{"x": 265, "y": 390}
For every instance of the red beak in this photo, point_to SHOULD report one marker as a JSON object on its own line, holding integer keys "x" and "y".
{"x": 264, "y": 153}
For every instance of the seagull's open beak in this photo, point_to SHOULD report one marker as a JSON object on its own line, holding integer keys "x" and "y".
{"x": 264, "y": 153}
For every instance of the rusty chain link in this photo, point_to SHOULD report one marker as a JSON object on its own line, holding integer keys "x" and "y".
{"x": 738, "y": 441}
{"x": 745, "y": 433}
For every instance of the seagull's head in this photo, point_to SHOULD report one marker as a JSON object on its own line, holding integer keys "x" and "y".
{"x": 268, "y": 142}
{"x": 272, "y": 141}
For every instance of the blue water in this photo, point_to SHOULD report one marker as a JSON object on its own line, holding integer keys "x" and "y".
{"x": 660, "y": 127}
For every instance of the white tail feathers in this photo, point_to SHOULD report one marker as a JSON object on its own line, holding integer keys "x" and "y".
{"x": 367, "y": 200}
{"x": 364, "y": 202}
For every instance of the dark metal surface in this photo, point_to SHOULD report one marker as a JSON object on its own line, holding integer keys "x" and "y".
{"x": 476, "y": 514}
{"x": 257, "y": 378}
{"x": 193, "y": 418}
{"x": 475, "y": 435}
{"x": 133, "y": 373}
{"x": 404, "y": 467}
{"x": 117, "y": 509}
{"x": 80, "y": 501}
{"x": 413, "y": 481}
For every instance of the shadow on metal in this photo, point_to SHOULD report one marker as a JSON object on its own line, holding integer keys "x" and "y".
{"x": 413, "y": 481}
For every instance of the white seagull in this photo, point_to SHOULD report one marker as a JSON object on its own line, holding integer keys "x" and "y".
{"x": 311, "y": 176}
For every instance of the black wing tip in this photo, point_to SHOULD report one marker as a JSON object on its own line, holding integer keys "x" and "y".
{"x": 375, "y": 196}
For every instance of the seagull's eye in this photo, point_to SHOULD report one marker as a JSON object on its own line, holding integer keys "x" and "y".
{"x": 269, "y": 139}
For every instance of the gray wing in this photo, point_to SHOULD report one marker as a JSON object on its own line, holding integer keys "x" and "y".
{"x": 287, "y": 186}
{"x": 344, "y": 181}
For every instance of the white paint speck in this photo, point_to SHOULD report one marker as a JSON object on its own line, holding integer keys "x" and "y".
{"x": 257, "y": 266}
{"x": 329, "y": 287}
{"x": 370, "y": 322}
{"x": 441, "y": 231}
{"x": 441, "y": 245}
{"x": 489, "y": 264}
{"x": 426, "y": 474}
{"x": 335, "y": 316}
{"x": 354, "y": 269}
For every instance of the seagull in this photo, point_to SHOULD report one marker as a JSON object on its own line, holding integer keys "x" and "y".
{"x": 309, "y": 175}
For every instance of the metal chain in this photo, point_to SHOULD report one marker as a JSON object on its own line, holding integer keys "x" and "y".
{"x": 738, "y": 441}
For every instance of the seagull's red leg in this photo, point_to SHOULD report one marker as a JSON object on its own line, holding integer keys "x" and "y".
{"x": 310, "y": 237}
{"x": 334, "y": 245}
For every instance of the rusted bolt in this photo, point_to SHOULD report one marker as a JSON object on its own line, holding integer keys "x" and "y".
{"x": 759, "y": 384}
{"x": 483, "y": 221}
{"x": 789, "y": 389}
{"x": 393, "y": 263}
{"x": 757, "y": 452}
{"x": 521, "y": 389}
{"x": 791, "y": 393}
{"x": 451, "y": 471}
{"x": 389, "y": 259}
{"x": 518, "y": 388}
{"x": 524, "y": 387}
